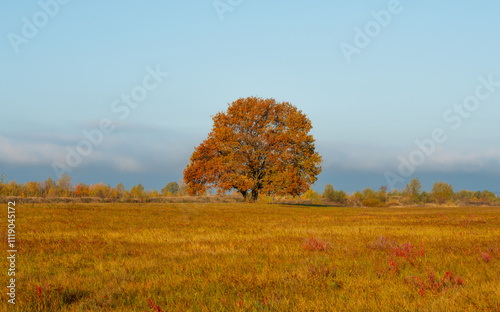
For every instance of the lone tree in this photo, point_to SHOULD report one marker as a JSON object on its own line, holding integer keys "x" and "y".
{"x": 256, "y": 146}
{"x": 171, "y": 187}
{"x": 442, "y": 191}
{"x": 414, "y": 190}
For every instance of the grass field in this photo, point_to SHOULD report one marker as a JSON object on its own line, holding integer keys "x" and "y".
{"x": 252, "y": 257}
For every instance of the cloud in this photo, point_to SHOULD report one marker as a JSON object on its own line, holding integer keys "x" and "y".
{"x": 125, "y": 164}
{"x": 27, "y": 153}
{"x": 143, "y": 149}
{"x": 130, "y": 148}
{"x": 453, "y": 160}
{"x": 371, "y": 158}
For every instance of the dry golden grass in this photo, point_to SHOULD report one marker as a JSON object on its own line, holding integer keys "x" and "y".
{"x": 255, "y": 257}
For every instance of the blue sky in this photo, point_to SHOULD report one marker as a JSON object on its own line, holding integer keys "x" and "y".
{"x": 421, "y": 60}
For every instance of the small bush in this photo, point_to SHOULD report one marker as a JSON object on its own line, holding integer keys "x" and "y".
{"x": 371, "y": 202}
{"x": 340, "y": 197}
{"x": 310, "y": 194}
{"x": 393, "y": 202}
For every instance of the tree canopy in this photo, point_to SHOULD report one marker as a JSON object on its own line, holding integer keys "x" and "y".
{"x": 442, "y": 191}
{"x": 414, "y": 189}
{"x": 256, "y": 146}
{"x": 171, "y": 187}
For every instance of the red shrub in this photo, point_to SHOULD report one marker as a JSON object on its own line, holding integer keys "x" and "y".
{"x": 409, "y": 252}
{"x": 315, "y": 244}
{"x": 153, "y": 306}
{"x": 432, "y": 284}
{"x": 486, "y": 255}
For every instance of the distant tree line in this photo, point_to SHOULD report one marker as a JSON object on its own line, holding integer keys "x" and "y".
{"x": 412, "y": 194}
{"x": 64, "y": 187}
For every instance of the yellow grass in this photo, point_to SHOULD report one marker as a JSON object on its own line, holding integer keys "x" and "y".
{"x": 252, "y": 257}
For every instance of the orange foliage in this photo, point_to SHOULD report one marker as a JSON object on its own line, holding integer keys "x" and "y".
{"x": 258, "y": 146}
{"x": 82, "y": 190}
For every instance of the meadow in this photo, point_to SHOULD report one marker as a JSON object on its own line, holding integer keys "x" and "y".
{"x": 255, "y": 257}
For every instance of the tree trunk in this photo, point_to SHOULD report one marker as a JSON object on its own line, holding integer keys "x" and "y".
{"x": 255, "y": 195}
